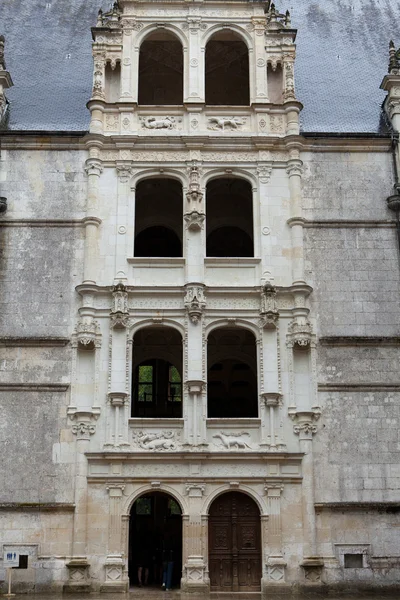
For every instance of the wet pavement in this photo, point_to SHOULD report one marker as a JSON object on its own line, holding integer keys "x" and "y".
{"x": 155, "y": 594}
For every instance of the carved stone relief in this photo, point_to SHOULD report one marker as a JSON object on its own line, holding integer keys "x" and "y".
{"x": 159, "y": 442}
{"x": 195, "y": 302}
{"x": 233, "y": 440}
{"x": 222, "y": 123}
{"x": 159, "y": 122}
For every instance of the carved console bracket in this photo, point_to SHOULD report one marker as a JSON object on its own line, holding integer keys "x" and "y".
{"x": 119, "y": 314}
{"x": 269, "y": 314}
{"x": 194, "y": 220}
{"x": 195, "y": 301}
{"x": 305, "y": 420}
{"x": 83, "y": 421}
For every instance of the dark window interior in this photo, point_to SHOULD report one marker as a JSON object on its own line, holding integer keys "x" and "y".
{"x": 227, "y": 71}
{"x": 229, "y": 218}
{"x": 353, "y": 561}
{"x": 161, "y": 71}
{"x": 232, "y": 381}
{"x": 158, "y": 218}
{"x": 157, "y": 380}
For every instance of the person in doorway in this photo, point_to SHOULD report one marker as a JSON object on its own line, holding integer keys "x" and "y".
{"x": 144, "y": 560}
{"x": 168, "y": 563}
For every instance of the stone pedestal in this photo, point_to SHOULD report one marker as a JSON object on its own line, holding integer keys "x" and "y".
{"x": 78, "y": 576}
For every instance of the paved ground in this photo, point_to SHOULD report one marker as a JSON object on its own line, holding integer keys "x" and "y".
{"x": 176, "y": 595}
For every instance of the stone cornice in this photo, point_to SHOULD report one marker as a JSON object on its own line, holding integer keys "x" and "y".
{"x": 315, "y": 142}
{"x": 358, "y": 387}
{"x": 37, "y": 507}
{"x": 34, "y": 387}
{"x": 359, "y": 341}
{"x": 34, "y": 342}
{"x": 42, "y": 223}
{"x": 347, "y": 223}
{"x": 357, "y": 506}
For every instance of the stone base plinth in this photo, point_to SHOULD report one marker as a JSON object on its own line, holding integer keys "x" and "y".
{"x": 78, "y": 579}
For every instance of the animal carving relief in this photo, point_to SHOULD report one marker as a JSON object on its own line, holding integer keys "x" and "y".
{"x": 158, "y": 122}
{"x": 233, "y": 440}
{"x": 161, "y": 441}
{"x": 222, "y": 123}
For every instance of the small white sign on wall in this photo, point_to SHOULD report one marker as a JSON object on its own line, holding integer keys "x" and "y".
{"x": 11, "y": 559}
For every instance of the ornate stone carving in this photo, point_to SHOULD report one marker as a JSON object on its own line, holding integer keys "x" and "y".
{"x": 305, "y": 426}
{"x": 119, "y": 312}
{"x": 300, "y": 332}
{"x": 195, "y": 490}
{"x": 269, "y": 314}
{"x": 233, "y": 440}
{"x": 87, "y": 333}
{"x": 78, "y": 575}
{"x": 222, "y": 123}
{"x": 195, "y": 302}
{"x": 264, "y": 171}
{"x": 158, "y": 122}
{"x": 194, "y": 220}
{"x": 277, "y": 123}
{"x": 83, "y": 430}
{"x": 161, "y": 441}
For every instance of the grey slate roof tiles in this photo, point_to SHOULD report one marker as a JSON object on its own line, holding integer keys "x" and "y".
{"x": 342, "y": 56}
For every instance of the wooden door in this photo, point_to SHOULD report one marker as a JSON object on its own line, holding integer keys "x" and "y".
{"x": 234, "y": 544}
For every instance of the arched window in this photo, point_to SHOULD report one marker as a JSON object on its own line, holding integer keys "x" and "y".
{"x": 161, "y": 70}
{"x": 227, "y": 70}
{"x": 229, "y": 218}
{"x": 158, "y": 218}
{"x": 232, "y": 374}
{"x": 157, "y": 382}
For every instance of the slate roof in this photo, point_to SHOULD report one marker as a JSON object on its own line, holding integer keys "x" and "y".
{"x": 342, "y": 56}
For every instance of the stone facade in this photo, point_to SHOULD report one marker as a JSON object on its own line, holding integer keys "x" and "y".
{"x": 316, "y": 301}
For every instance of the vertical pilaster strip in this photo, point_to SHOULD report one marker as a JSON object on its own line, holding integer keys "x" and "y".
{"x": 294, "y": 171}
{"x": 259, "y": 63}
{"x": 93, "y": 169}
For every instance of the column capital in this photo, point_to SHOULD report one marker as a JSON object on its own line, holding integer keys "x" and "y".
{"x": 272, "y": 398}
{"x": 93, "y": 166}
{"x": 273, "y": 489}
{"x": 115, "y": 490}
{"x": 118, "y": 398}
{"x": 294, "y": 167}
{"x": 195, "y": 386}
{"x": 305, "y": 420}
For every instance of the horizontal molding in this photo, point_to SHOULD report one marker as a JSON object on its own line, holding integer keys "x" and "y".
{"x": 34, "y": 387}
{"x": 358, "y": 506}
{"x": 359, "y": 341}
{"x": 43, "y": 223}
{"x": 37, "y": 507}
{"x": 33, "y": 342}
{"x": 359, "y": 387}
{"x": 349, "y": 224}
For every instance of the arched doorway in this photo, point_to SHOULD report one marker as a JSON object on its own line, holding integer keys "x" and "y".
{"x": 234, "y": 538}
{"x": 155, "y": 537}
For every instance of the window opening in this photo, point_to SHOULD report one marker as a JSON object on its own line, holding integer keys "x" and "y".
{"x": 353, "y": 561}
{"x": 227, "y": 71}
{"x": 161, "y": 70}
{"x": 229, "y": 218}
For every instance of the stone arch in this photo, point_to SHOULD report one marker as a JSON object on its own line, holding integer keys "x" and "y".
{"x": 147, "y": 489}
{"x": 243, "y": 323}
{"x": 236, "y": 29}
{"x": 249, "y": 491}
{"x": 151, "y": 173}
{"x": 169, "y": 27}
{"x": 236, "y": 173}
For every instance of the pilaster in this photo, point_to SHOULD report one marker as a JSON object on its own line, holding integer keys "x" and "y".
{"x": 115, "y": 562}
{"x": 194, "y": 575}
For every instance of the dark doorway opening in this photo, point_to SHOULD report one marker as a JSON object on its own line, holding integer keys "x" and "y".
{"x": 227, "y": 70}
{"x": 155, "y": 537}
{"x": 232, "y": 374}
{"x": 234, "y": 538}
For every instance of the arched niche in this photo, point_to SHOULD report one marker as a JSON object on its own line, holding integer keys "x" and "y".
{"x": 157, "y": 373}
{"x": 158, "y": 218}
{"x": 229, "y": 209}
{"x": 227, "y": 77}
{"x": 161, "y": 69}
{"x": 232, "y": 389}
